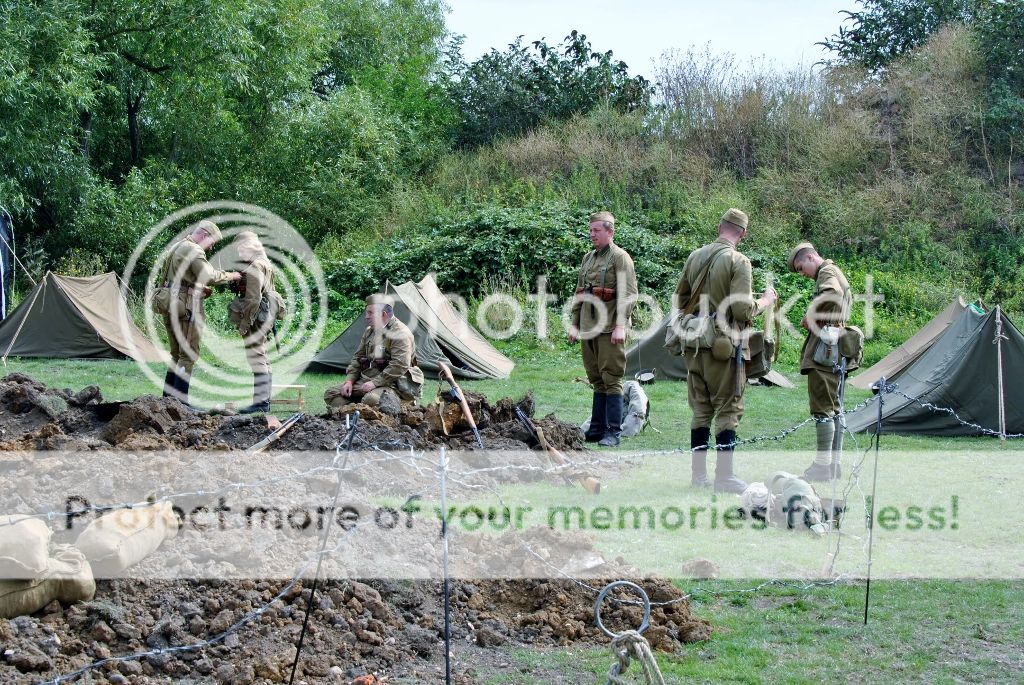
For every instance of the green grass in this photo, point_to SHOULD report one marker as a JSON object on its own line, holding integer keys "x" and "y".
{"x": 920, "y": 631}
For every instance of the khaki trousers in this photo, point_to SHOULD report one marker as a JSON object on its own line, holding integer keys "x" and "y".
{"x": 711, "y": 391}
{"x": 605, "y": 364}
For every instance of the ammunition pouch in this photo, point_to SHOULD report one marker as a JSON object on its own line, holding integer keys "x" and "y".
{"x": 603, "y": 294}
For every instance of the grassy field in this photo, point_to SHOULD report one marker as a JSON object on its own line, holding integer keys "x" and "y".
{"x": 926, "y": 629}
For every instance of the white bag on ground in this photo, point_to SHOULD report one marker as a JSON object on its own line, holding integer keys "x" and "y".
{"x": 66, "y": 578}
{"x": 122, "y": 538}
{"x": 24, "y": 547}
{"x": 634, "y": 411}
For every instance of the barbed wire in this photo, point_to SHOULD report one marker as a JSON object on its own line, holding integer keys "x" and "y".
{"x": 418, "y": 460}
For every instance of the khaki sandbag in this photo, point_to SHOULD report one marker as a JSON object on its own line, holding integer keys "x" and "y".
{"x": 24, "y": 547}
{"x": 122, "y": 538}
{"x": 67, "y": 578}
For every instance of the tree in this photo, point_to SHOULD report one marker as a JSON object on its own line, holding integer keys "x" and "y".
{"x": 511, "y": 92}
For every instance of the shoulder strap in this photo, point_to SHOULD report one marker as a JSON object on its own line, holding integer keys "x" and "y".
{"x": 695, "y": 291}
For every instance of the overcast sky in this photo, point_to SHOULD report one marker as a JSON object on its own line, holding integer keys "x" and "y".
{"x": 784, "y": 31}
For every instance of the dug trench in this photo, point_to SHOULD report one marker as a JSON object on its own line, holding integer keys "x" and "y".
{"x": 390, "y": 629}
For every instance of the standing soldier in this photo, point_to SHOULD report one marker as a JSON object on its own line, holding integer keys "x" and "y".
{"x": 189, "y": 277}
{"x": 719, "y": 276}
{"x": 254, "y": 312}
{"x": 384, "y": 362}
{"x": 830, "y": 307}
{"x": 606, "y": 293}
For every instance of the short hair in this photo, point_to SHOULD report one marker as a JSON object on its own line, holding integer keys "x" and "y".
{"x": 606, "y": 218}
{"x": 388, "y": 309}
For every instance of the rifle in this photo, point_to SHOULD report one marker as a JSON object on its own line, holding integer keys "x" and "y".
{"x": 277, "y": 433}
{"x": 457, "y": 394}
{"x": 589, "y": 483}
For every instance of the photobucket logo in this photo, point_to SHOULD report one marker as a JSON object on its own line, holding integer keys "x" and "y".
{"x": 220, "y": 365}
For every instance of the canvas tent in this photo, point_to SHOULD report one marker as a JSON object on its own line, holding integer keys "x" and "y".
{"x": 894, "y": 363}
{"x": 649, "y": 353}
{"x": 442, "y": 335}
{"x": 75, "y": 317}
{"x": 959, "y": 371}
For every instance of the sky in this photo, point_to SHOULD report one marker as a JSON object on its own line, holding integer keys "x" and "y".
{"x": 639, "y": 31}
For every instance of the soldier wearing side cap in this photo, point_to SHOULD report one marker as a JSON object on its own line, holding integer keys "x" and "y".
{"x": 829, "y": 307}
{"x": 721, "y": 274}
{"x": 189, "y": 277}
{"x": 606, "y": 293}
{"x": 384, "y": 362}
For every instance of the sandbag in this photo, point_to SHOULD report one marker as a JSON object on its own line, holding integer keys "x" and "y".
{"x": 66, "y": 578}
{"x": 119, "y": 540}
{"x": 24, "y": 547}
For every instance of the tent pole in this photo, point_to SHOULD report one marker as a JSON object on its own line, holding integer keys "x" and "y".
{"x": 874, "y": 492}
{"x": 999, "y": 366}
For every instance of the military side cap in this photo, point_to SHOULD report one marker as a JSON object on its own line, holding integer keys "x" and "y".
{"x": 603, "y": 216}
{"x": 211, "y": 229}
{"x": 735, "y": 217}
{"x": 790, "y": 261}
{"x": 380, "y": 298}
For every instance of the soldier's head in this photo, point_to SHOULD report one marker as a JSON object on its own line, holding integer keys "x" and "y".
{"x": 379, "y": 310}
{"x": 602, "y": 229}
{"x": 248, "y": 246}
{"x": 205, "y": 234}
{"x": 805, "y": 260}
{"x": 733, "y": 225}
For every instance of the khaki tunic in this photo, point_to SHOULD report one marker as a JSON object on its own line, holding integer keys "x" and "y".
{"x": 188, "y": 273}
{"x": 396, "y": 346}
{"x": 259, "y": 281}
{"x": 831, "y": 306}
{"x": 605, "y": 363}
{"x": 710, "y": 383}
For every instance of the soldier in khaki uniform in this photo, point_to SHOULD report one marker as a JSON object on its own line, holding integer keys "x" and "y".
{"x": 606, "y": 293}
{"x": 189, "y": 276}
{"x": 712, "y": 383}
{"x": 829, "y": 307}
{"x": 384, "y": 362}
{"x": 254, "y": 311}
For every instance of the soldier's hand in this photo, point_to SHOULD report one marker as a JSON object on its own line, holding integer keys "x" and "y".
{"x": 346, "y": 389}
{"x": 770, "y": 296}
{"x": 618, "y": 335}
{"x": 366, "y": 387}
{"x": 574, "y": 334}
{"x": 234, "y": 276}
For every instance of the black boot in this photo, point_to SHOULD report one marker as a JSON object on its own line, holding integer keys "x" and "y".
{"x": 181, "y": 389}
{"x": 725, "y": 481}
{"x": 170, "y": 383}
{"x": 613, "y": 415}
{"x": 598, "y": 418}
{"x": 261, "y": 389}
{"x": 698, "y": 457}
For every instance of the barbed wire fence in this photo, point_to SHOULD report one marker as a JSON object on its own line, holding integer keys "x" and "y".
{"x": 396, "y": 452}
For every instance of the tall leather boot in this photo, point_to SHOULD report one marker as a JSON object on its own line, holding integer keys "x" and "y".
{"x": 598, "y": 418}
{"x": 821, "y": 469}
{"x": 170, "y": 383}
{"x": 725, "y": 481}
{"x": 181, "y": 388}
{"x": 261, "y": 389}
{"x": 699, "y": 457}
{"x": 613, "y": 419}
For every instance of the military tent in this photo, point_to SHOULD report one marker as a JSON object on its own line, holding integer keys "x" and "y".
{"x": 442, "y": 335}
{"x": 649, "y": 354}
{"x": 894, "y": 363}
{"x": 960, "y": 372}
{"x": 75, "y": 317}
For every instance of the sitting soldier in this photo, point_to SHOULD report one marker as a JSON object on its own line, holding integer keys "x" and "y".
{"x": 384, "y": 362}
